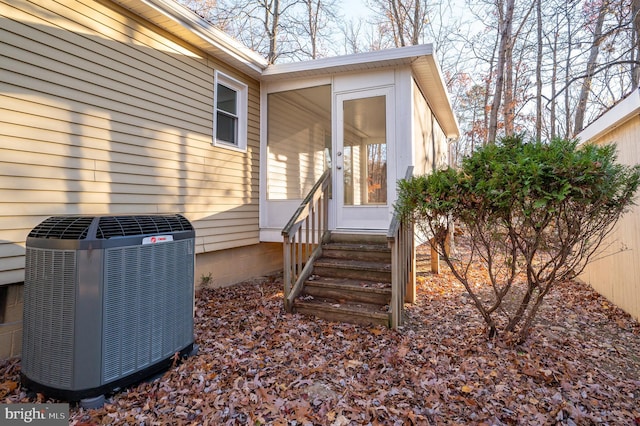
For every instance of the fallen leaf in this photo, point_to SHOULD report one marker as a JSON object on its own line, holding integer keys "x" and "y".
{"x": 258, "y": 364}
{"x": 7, "y": 387}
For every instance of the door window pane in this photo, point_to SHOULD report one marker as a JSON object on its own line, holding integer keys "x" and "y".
{"x": 365, "y": 151}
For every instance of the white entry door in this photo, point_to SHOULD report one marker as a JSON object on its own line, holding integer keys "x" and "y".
{"x": 363, "y": 159}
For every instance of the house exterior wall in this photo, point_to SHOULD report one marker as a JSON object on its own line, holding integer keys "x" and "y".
{"x": 429, "y": 141}
{"x": 103, "y": 113}
{"x": 11, "y": 304}
{"x": 615, "y": 272}
{"x": 213, "y": 271}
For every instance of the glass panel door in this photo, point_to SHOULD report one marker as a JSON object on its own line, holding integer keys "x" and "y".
{"x": 362, "y": 159}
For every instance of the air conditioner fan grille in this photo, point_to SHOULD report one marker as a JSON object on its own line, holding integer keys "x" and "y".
{"x": 77, "y": 227}
{"x": 123, "y": 226}
{"x": 63, "y": 228}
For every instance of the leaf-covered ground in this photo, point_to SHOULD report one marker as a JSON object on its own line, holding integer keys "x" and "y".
{"x": 260, "y": 365}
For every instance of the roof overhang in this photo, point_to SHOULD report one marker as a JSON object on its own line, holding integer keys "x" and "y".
{"x": 420, "y": 58}
{"x": 178, "y": 20}
{"x": 619, "y": 114}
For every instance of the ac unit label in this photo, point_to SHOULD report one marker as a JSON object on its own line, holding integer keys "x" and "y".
{"x": 157, "y": 239}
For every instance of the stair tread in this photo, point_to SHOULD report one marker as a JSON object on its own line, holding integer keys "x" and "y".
{"x": 374, "y": 311}
{"x": 354, "y": 264}
{"x": 357, "y": 247}
{"x": 349, "y": 283}
{"x": 337, "y": 237}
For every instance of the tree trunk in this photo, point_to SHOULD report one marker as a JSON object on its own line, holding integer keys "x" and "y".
{"x": 635, "y": 73}
{"x": 313, "y": 26}
{"x": 487, "y": 91}
{"x": 591, "y": 66}
{"x": 509, "y": 102}
{"x": 416, "y": 25}
{"x": 539, "y": 72}
{"x": 398, "y": 23}
{"x": 567, "y": 78}
{"x": 554, "y": 90}
{"x": 505, "y": 26}
{"x": 272, "y": 29}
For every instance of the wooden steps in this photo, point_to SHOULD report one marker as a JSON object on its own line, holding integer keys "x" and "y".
{"x": 351, "y": 281}
{"x": 345, "y": 289}
{"x": 356, "y": 313}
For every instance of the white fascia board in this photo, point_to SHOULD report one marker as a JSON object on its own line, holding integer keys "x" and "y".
{"x": 616, "y": 116}
{"x": 345, "y": 63}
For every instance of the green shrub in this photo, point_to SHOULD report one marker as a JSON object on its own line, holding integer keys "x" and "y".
{"x": 535, "y": 213}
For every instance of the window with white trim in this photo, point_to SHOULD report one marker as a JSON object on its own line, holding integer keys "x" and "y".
{"x": 230, "y": 113}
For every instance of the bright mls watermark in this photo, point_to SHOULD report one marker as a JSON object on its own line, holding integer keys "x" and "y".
{"x": 34, "y": 414}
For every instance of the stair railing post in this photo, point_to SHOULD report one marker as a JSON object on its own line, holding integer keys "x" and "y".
{"x": 410, "y": 296}
{"x": 396, "y": 310}
{"x": 287, "y": 271}
{"x": 299, "y": 250}
{"x": 400, "y": 238}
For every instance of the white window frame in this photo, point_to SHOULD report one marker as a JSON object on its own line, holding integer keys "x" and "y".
{"x": 242, "y": 110}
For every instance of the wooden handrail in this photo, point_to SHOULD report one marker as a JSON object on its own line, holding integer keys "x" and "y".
{"x": 302, "y": 249}
{"x": 296, "y": 220}
{"x": 401, "y": 240}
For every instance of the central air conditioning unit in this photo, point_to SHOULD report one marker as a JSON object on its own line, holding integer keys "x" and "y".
{"x": 108, "y": 301}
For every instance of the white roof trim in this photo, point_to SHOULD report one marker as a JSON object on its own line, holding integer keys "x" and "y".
{"x": 216, "y": 42}
{"x": 353, "y": 62}
{"x": 616, "y": 116}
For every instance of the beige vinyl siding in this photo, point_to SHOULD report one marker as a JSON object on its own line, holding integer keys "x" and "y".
{"x": 615, "y": 271}
{"x": 430, "y": 142}
{"x": 102, "y": 113}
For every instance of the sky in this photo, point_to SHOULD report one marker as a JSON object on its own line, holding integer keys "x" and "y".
{"x": 354, "y": 8}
